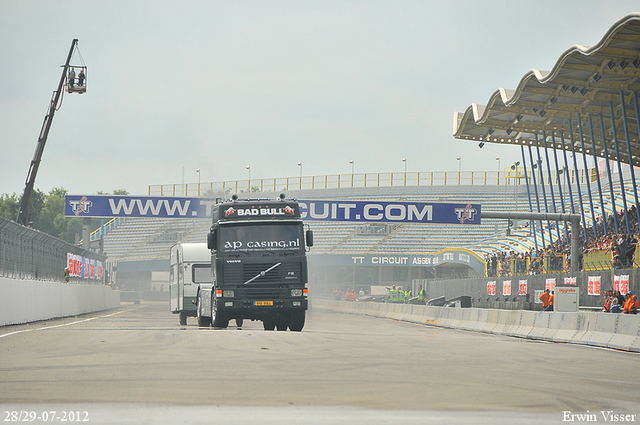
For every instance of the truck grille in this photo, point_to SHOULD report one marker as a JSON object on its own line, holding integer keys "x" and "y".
{"x": 238, "y": 274}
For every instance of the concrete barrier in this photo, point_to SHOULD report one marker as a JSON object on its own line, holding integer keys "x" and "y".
{"x": 627, "y": 332}
{"x": 618, "y": 331}
{"x": 24, "y": 301}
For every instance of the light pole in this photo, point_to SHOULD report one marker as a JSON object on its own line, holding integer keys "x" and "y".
{"x": 514, "y": 167}
{"x": 498, "y": 170}
{"x": 352, "y": 170}
{"x": 459, "y": 168}
{"x": 249, "y": 180}
{"x": 405, "y": 170}
{"x": 198, "y": 171}
{"x": 300, "y": 165}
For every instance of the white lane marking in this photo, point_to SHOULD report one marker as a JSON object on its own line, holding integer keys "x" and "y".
{"x": 63, "y": 324}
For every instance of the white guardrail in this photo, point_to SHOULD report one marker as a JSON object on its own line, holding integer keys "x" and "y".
{"x": 609, "y": 330}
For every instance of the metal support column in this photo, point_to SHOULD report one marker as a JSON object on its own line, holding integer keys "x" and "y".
{"x": 595, "y": 164}
{"x": 553, "y": 198}
{"x": 535, "y": 187}
{"x": 635, "y": 98}
{"x": 526, "y": 179}
{"x": 626, "y": 136}
{"x": 575, "y": 168}
{"x": 544, "y": 192}
{"x": 606, "y": 157}
{"x": 555, "y": 156}
{"x": 615, "y": 143}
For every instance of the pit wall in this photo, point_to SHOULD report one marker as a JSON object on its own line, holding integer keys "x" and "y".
{"x": 24, "y": 301}
{"x": 609, "y": 330}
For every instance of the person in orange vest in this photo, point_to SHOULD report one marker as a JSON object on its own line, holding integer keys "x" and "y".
{"x": 635, "y": 305}
{"x": 550, "y": 307}
{"x": 631, "y": 304}
{"x": 545, "y": 299}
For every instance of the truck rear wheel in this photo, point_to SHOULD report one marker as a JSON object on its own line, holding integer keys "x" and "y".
{"x": 269, "y": 324}
{"x": 183, "y": 318}
{"x": 297, "y": 321}
{"x": 282, "y": 322}
{"x": 203, "y": 321}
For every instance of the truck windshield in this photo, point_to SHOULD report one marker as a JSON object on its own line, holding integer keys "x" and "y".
{"x": 261, "y": 237}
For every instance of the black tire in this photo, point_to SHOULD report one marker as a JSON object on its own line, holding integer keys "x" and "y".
{"x": 183, "y": 318}
{"x": 297, "y": 320}
{"x": 218, "y": 320}
{"x": 282, "y": 322}
{"x": 269, "y": 324}
{"x": 239, "y": 321}
{"x": 203, "y": 321}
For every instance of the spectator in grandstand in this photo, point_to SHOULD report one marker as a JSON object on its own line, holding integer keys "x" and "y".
{"x": 632, "y": 242}
{"x": 634, "y": 305}
{"x": 494, "y": 265}
{"x": 615, "y": 262}
{"x": 629, "y": 304}
{"x": 545, "y": 299}
{"x": 607, "y": 303}
{"x": 615, "y": 305}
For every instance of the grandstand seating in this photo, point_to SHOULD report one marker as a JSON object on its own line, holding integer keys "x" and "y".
{"x": 151, "y": 238}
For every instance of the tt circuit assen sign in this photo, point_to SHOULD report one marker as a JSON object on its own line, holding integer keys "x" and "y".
{"x": 310, "y": 210}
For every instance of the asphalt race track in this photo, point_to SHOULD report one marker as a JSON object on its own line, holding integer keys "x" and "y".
{"x": 136, "y": 364}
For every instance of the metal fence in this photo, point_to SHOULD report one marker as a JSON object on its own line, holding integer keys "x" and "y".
{"x": 429, "y": 178}
{"x": 26, "y": 253}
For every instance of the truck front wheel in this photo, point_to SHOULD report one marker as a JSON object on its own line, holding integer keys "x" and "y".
{"x": 297, "y": 321}
{"x": 218, "y": 320}
{"x": 183, "y": 318}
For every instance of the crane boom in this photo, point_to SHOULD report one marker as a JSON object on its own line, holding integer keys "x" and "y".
{"x": 25, "y": 203}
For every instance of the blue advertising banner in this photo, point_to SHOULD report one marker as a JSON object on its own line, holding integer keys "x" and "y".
{"x": 358, "y": 211}
{"x": 386, "y": 212}
{"x": 137, "y": 206}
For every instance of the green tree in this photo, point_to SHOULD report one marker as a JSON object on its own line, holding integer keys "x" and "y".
{"x": 47, "y": 213}
{"x": 51, "y": 219}
{"x": 9, "y": 205}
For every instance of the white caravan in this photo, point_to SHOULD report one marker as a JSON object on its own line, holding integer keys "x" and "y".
{"x": 189, "y": 266}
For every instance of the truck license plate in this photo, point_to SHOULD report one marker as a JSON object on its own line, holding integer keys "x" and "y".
{"x": 263, "y": 303}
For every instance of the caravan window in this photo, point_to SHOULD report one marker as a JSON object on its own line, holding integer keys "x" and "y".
{"x": 201, "y": 273}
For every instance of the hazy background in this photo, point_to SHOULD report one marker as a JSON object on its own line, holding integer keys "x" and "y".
{"x": 219, "y": 85}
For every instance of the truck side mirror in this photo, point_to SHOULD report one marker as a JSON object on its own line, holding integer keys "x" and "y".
{"x": 211, "y": 240}
{"x": 309, "y": 237}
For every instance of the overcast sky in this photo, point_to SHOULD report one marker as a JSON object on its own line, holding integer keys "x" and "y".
{"x": 219, "y": 85}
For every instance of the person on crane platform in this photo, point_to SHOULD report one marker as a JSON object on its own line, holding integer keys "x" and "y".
{"x": 81, "y": 78}
{"x": 72, "y": 77}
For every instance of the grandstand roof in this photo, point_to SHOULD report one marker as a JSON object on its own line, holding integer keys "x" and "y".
{"x": 585, "y": 82}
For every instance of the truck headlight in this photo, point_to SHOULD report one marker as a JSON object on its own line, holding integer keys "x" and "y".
{"x": 296, "y": 292}
{"x": 228, "y": 293}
